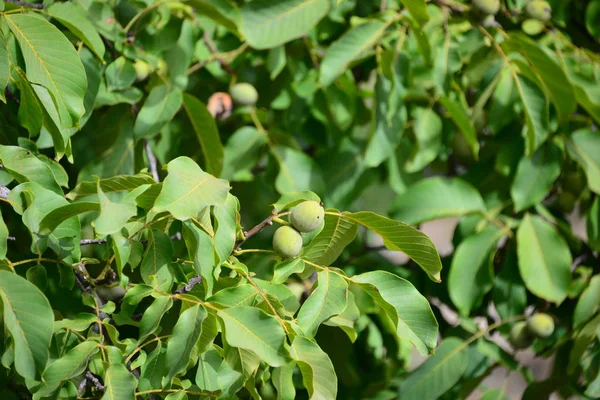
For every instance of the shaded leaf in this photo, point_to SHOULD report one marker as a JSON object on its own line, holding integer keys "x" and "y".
{"x": 119, "y": 384}
{"x": 460, "y": 117}
{"x": 536, "y": 111}
{"x": 74, "y": 18}
{"x": 159, "y": 108}
{"x": 184, "y": 338}
{"x": 584, "y": 147}
{"x": 297, "y": 171}
{"x": 327, "y": 246}
{"x": 317, "y": 370}
{"x": 158, "y": 254}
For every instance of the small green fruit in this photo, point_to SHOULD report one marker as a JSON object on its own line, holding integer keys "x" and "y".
{"x": 142, "y": 70}
{"x": 162, "y": 67}
{"x": 539, "y": 9}
{"x": 287, "y": 242}
{"x": 244, "y": 94}
{"x": 574, "y": 182}
{"x": 532, "y": 27}
{"x": 486, "y": 7}
{"x": 519, "y": 336}
{"x": 540, "y": 325}
{"x": 307, "y": 216}
{"x": 566, "y": 202}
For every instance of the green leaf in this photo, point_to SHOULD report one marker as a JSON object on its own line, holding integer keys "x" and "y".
{"x": 438, "y": 374}
{"x": 241, "y": 153}
{"x": 276, "y": 61}
{"x": 119, "y": 384}
{"x": 544, "y": 259}
{"x": 593, "y": 225}
{"x": 509, "y": 293}
{"x": 291, "y": 199}
{"x": 52, "y": 62}
{"x": 471, "y": 272}
{"x": 113, "y": 216}
{"x": 535, "y": 105}
{"x": 297, "y": 171}
{"x": 327, "y": 300}
{"x": 130, "y": 301}
{"x": 73, "y": 17}
{"x": 251, "y": 329}
{"x": 208, "y": 368}
{"x": 207, "y": 133}
{"x": 404, "y": 305}
{"x": 584, "y": 338}
{"x": 158, "y": 110}
{"x": 29, "y": 319}
{"x": 494, "y": 394}
{"x": 267, "y": 24}
{"x": 327, "y": 246}
{"x": 184, "y": 338}
{"x": 57, "y": 216}
{"x": 119, "y": 183}
{"x": 158, "y": 254}
{"x": 4, "y": 68}
{"x": 428, "y": 135}
{"x": 535, "y": 176}
{"x": 584, "y": 147}
{"x": 460, "y": 117}
{"x": 188, "y": 189}
{"x": 401, "y": 237}
{"x": 120, "y": 74}
{"x": 592, "y": 15}
{"x": 3, "y": 237}
{"x": 68, "y": 366}
{"x": 588, "y": 302}
{"x": 25, "y": 167}
{"x": 283, "y": 270}
{"x": 317, "y": 370}
{"x": 226, "y": 220}
{"x": 282, "y": 379}
{"x": 351, "y": 46}
{"x": 153, "y": 315}
{"x": 550, "y": 73}
{"x": 418, "y": 9}
{"x": 200, "y": 246}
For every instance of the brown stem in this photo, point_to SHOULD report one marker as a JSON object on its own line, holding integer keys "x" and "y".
{"x": 25, "y": 4}
{"x": 151, "y": 160}
{"x": 247, "y": 235}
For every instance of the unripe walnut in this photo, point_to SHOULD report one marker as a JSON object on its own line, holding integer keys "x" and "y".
{"x": 243, "y": 94}
{"x": 539, "y": 9}
{"x": 486, "y": 7}
{"x": 142, "y": 70}
{"x": 519, "y": 336}
{"x": 287, "y": 242}
{"x": 540, "y": 325}
{"x": 307, "y": 216}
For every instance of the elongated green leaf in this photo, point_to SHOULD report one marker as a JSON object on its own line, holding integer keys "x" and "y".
{"x": 267, "y": 24}
{"x": 184, "y": 338}
{"x": 460, "y": 117}
{"x": 593, "y": 225}
{"x": 438, "y": 374}
{"x": 509, "y": 293}
{"x": 348, "y": 48}
{"x": 119, "y": 384}
{"x": 283, "y": 381}
{"x": 585, "y": 337}
{"x": 55, "y": 66}
{"x": 535, "y": 176}
{"x": 283, "y": 270}
{"x": 408, "y": 309}
{"x": 200, "y": 246}
{"x": 401, "y": 237}
{"x": 494, "y": 394}
{"x": 535, "y": 106}
{"x": 68, "y": 366}
{"x": 4, "y": 68}
{"x": 29, "y": 319}
{"x": 25, "y": 167}
{"x": 207, "y": 133}
{"x": 418, "y": 9}
{"x": 120, "y": 74}
{"x": 241, "y": 153}
{"x": 588, "y": 302}
{"x": 153, "y": 315}
{"x": 434, "y": 198}
{"x": 117, "y": 183}
{"x": 159, "y": 108}
{"x": 222, "y": 12}
{"x": 61, "y": 214}
{"x": 471, "y": 273}
{"x": 73, "y": 17}
{"x": 208, "y": 368}
{"x": 130, "y": 301}
{"x": 327, "y": 300}
{"x": 584, "y": 147}
{"x": 158, "y": 254}
{"x": 188, "y": 189}
{"x": 428, "y": 135}
{"x": 544, "y": 259}
{"x": 226, "y": 220}
{"x": 317, "y": 370}
{"x": 113, "y": 216}
{"x": 251, "y": 329}
{"x": 327, "y": 246}
{"x": 297, "y": 171}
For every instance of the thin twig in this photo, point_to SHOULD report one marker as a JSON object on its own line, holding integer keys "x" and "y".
{"x": 4, "y": 192}
{"x": 247, "y": 235}
{"x": 213, "y": 50}
{"x": 25, "y": 4}
{"x": 190, "y": 285}
{"x": 95, "y": 381}
{"x": 151, "y": 160}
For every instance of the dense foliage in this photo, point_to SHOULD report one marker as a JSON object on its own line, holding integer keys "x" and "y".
{"x": 151, "y": 149}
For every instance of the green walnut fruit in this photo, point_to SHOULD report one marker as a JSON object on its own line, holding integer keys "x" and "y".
{"x": 574, "y": 182}
{"x": 142, "y": 70}
{"x": 162, "y": 67}
{"x": 532, "y": 27}
{"x": 244, "y": 94}
{"x": 519, "y": 336}
{"x": 539, "y": 9}
{"x": 287, "y": 242}
{"x": 486, "y": 7}
{"x": 307, "y": 216}
{"x": 566, "y": 202}
{"x": 540, "y": 325}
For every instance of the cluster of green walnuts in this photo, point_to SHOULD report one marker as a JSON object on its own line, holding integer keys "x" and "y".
{"x": 306, "y": 217}
{"x": 538, "y": 326}
{"x": 537, "y": 13}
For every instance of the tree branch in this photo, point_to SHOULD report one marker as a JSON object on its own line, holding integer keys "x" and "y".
{"x": 247, "y": 235}
{"x": 151, "y": 160}
{"x": 25, "y": 4}
{"x": 4, "y": 192}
